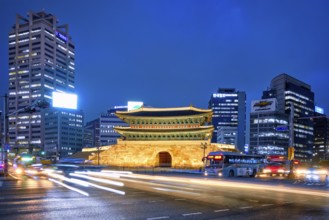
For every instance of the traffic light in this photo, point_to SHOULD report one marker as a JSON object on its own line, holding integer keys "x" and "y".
{"x": 29, "y": 109}
{"x": 39, "y": 104}
{"x": 42, "y": 104}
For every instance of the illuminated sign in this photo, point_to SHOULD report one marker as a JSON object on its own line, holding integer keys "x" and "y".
{"x": 223, "y": 95}
{"x": 61, "y": 36}
{"x": 218, "y": 157}
{"x": 263, "y": 105}
{"x": 319, "y": 110}
{"x": 134, "y": 105}
{"x": 65, "y": 100}
{"x": 282, "y": 128}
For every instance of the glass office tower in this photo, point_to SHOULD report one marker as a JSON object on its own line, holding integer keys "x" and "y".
{"x": 289, "y": 92}
{"x": 229, "y": 110}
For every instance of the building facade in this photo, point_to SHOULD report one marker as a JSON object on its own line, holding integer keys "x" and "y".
{"x": 229, "y": 110}
{"x": 227, "y": 135}
{"x": 63, "y": 133}
{"x": 108, "y": 121}
{"x": 100, "y": 132}
{"x": 289, "y": 92}
{"x": 91, "y": 134}
{"x": 269, "y": 128}
{"x": 321, "y": 137}
{"x": 41, "y": 61}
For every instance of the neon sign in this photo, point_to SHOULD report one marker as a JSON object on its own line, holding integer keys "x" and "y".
{"x": 61, "y": 36}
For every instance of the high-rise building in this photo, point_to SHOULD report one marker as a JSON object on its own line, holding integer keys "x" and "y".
{"x": 229, "y": 110}
{"x": 100, "y": 132}
{"x": 289, "y": 92}
{"x": 321, "y": 137}
{"x": 269, "y": 128}
{"x": 41, "y": 61}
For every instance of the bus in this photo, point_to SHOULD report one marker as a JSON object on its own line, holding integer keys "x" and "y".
{"x": 230, "y": 164}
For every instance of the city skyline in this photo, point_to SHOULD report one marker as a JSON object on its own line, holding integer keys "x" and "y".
{"x": 172, "y": 54}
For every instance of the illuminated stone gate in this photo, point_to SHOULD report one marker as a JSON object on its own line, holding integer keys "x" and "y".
{"x": 161, "y": 137}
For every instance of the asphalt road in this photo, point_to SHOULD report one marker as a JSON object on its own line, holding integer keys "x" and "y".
{"x": 136, "y": 196}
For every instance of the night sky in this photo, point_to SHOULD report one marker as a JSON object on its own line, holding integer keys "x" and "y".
{"x": 177, "y": 53}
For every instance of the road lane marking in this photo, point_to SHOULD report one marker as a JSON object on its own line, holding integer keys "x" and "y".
{"x": 221, "y": 210}
{"x": 180, "y": 199}
{"x": 267, "y": 204}
{"x": 246, "y": 207}
{"x": 193, "y": 213}
{"x": 153, "y": 201}
{"x": 161, "y": 217}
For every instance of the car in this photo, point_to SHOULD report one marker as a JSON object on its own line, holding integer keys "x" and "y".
{"x": 274, "y": 169}
{"x": 34, "y": 170}
{"x": 313, "y": 174}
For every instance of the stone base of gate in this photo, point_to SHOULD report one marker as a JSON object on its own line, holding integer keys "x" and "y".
{"x": 181, "y": 154}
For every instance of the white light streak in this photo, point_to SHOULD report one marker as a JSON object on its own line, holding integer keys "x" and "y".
{"x": 221, "y": 210}
{"x": 161, "y": 217}
{"x": 107, "y": 189}
{"x": 116, "y": 183}
{"x": 69, "y": 187}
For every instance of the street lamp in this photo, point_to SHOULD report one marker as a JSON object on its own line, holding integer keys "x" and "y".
{"x": 204, "y": 146}
{"x": 5, "y": 145}
{"x": 291, "y": 148}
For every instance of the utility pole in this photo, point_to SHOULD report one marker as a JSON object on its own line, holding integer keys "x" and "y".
{"x": 291, "y": 149}
{"x": 5, "y": 141}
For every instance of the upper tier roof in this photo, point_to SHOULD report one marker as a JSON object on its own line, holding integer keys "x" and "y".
{"x": 164, "y": 112}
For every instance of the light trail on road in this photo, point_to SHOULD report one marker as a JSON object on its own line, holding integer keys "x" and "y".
{"x": 69, "y": 187}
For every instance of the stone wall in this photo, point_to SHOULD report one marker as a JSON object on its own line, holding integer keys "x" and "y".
{"x": 184, "y": 154}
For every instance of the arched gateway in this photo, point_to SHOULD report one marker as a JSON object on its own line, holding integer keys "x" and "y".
{"x": 164, "y": 159}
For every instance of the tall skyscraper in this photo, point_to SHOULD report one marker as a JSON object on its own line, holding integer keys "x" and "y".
{"x": 41, "y": 61}
{"x": 229, "y": 110}
{"x": 289, "y": 92}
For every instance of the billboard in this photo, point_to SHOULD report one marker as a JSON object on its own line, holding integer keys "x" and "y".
{"x": 134, "y": 105}
{"x": 65, "y": 100}
{"x": 263, "y": 105}
{"x": 319, "y": 110}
